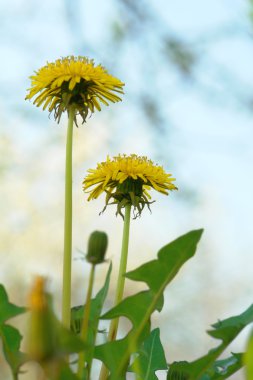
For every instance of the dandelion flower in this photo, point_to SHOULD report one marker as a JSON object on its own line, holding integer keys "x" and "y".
{"x": 127, "y": 180}
{"x": 73, "y": 81}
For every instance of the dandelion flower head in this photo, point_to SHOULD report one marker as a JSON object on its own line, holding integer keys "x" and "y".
{"x": 73, "y": 81}
{"x": 127, "y": 180}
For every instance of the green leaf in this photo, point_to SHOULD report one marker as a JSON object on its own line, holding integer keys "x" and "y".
{"x": 159, "y": 273}
{"x": 67, "y": 374}
{"x": 220, "y": 370}
{"x": 133, "y": 308}
{"x": 151, "y": 357}
{"x": 226, "y": 330}
{"x": 7, "y": 309}
{"x": 11, "y": 339}
{"x": 248, "y": 358}
{"x": 223, "y": 369}
{"x": 229, "y": 328}
{"x": 67, "y": 341}
{"x": 138, "y": 308}
{"x": 48, "y": 340}
{"x": 58, "y": 370}
{"x": 10, "y": 336}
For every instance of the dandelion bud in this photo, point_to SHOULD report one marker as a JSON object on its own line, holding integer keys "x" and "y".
{"x": 97, "y": 246}
{"x": 41, "y": 330}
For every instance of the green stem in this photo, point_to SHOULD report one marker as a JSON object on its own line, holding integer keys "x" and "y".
{"x": 120, "y": 283}
{"x": 136, "y": 363}
{"x": 67, "y": 258}
{"x": 85, "y": 324}
{"x": 122, "y": 270}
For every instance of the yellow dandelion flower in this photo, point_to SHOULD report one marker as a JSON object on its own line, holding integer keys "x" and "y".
{"x": 127, "y": 180}
{"x": 73, "y": 81}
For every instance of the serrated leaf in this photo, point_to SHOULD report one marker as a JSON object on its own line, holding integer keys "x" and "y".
{"x": 223, "y": 369}
{"x": 248, "y": 359}
{"x": 226, "y": 330}
{"x": 220, "y": 370}
{"x": 8, "y": 310}
{"x": 133, "y": 308}
{"x": 11, "y": 339}
{"x": 229, "y": 328}
{"x": 10, "y": 336}
{"x": 170, "y": 259}
{"x": 151, "y": 357}
{"x": 138, "y": 308}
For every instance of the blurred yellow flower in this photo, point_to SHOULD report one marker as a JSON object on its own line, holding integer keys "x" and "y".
{"x": 73, "y": 81}
{"x": 42, "y": 338}
{"x": 37, "y": 298}
{"x": 127, "y": 180}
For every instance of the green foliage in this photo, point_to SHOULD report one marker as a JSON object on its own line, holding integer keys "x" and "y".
{"x": 140, "y": 347}
{"x": 48, "y": 339}
{"x": 59, "y": 370}
{"x": 248, "y": 358}
{"x": 218, "y": 370}
{"x": 64, "y": 341}
{"x": 226, "y": 330}
{"x": 67, "y": 342}
{"x": 150, "y": 358}
{"x": 11, "y": 338}
{"x": 222, "y": 369}
{"x": 158, "y": 273}
{"x": 138, "y": 308}
{"x": 8, "y": 310}
{"x": 66, "y": 373}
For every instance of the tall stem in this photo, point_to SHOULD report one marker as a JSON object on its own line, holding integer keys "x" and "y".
{"x": 85, "y": 324}
{"x": 120, "y": 283}
{"x": 67, "y": 258}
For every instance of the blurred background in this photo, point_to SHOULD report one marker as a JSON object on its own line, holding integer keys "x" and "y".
{"x": 188, "y": 105}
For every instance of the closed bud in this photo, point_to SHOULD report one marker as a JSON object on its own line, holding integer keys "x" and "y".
{"x": 97, "y": 246}
{"x": 41, "y": 332}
